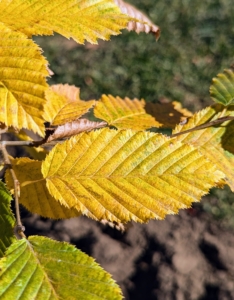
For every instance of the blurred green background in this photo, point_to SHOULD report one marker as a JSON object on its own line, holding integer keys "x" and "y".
{"x": 196, "y": 43}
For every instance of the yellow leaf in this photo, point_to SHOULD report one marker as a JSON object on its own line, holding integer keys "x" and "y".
{"x": 64, "y": 104}
{"x": 22, "y": 81}
{"x": 169, "y": 114}
{"x": 123, "y": 175}
{"x": 211, "y": 141}
{"x": 81, "y": 20}
{"x": 33, "y": 192}
{"x": 37, "y": 153}
{"x": 124, "y": 113}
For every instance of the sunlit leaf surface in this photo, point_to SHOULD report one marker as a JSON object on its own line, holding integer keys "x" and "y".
{"x": 127, "y": 175}
{"x": 40, "y": 268}
{"x": 124, "y": 113}
{"x": 22, "y": 81}
{"x": 79, "y": 19}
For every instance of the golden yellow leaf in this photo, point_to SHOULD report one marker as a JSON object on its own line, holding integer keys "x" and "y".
{"x": 168, "y": 114}
{"x": 64, "y": 104}
{"x": 33, "y": 192}
{"x": 211, "y": 141}
{"x": 123, "y": 175}
{"x": 79, "y": 19}
{"x": 142, "y": 22}
{"x": 124, "y": 113}
{"x": 22, "y": 81}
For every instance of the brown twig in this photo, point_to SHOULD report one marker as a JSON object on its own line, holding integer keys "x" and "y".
{"x": 19, "y": 229}
{"x": 205, "y": 125}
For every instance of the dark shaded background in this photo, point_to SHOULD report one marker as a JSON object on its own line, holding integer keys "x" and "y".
{"x": 189, "y": 256}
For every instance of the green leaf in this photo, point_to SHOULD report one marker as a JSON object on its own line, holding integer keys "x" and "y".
{"x": 7, "y": 220}
{"x": 123, "y": 175}
{"x": 222, "y": 88}
{"x": 40, "y": 268}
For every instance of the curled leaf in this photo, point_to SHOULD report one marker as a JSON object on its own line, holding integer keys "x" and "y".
{"x": 73, "y": 128}
{"x": 142, "y": 22}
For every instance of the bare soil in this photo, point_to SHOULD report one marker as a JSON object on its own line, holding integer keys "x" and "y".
{"x": 185, "y": 257}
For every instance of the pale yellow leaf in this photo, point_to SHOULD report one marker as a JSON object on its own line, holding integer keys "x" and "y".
{"x": 124, "y": 113}
{"x": 33, "y": 192}
{"x": 211, "y": 142}
{"x": 79, "y": 19}
{"x": 168, "y": 114}
{"x": 123, "y": 175}
{"x": 22, "y": 81}
{"x": 142, "y": 22}
{"x": 64, "y": 104}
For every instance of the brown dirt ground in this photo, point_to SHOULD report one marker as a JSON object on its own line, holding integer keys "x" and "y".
{"x": 185, "y": 257}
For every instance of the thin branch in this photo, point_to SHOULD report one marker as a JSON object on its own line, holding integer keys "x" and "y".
{"x": 205, "y": 125}
{"x": 16, "y": 143}
{"x": 19, "y": 226}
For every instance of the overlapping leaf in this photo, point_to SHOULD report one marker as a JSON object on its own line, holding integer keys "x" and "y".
{"x": 124, "y": 113}
{"x": 212, "y": 141}
{"x": 64, "y": 104}
{"x": 168, "y": 114}
{"x": 127, "y": 175}
{"x": 22, "y": 81}
{"x": 37, "y": 153}
{"x": 7, "y": 220}
{"x": 145, "y": 25}
{"x": 222, "y": 88}
{"x": 81, "y": 20}
{"x": 73, "y": 128}
{"x": 40, "y": 268}
{"x": 33, "y": 192}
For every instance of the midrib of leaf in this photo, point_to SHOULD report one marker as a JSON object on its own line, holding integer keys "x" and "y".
{"x": 41, "y": 268}
{"x": 130, "y": 115}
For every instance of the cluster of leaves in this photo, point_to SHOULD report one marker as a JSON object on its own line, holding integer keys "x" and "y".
{"x": 193, "y": 48}
{"x": 112, "y": 169}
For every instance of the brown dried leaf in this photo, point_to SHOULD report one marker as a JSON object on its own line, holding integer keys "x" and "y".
{"x": 142, "y": 23}
{"x": 169, "y": 114}
{"x": 74, "y": 128}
